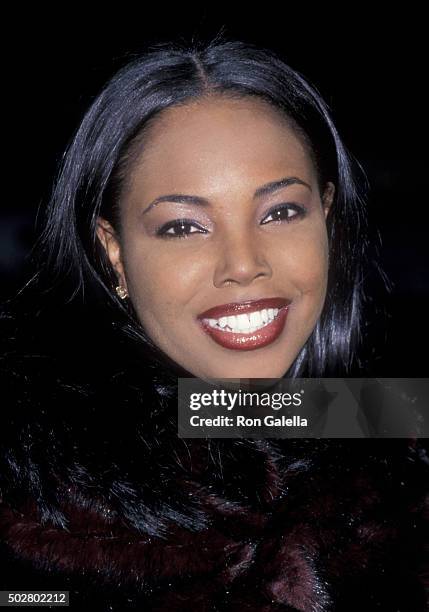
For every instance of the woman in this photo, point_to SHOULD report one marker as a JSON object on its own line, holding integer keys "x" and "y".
{"x": 202, "y": 185}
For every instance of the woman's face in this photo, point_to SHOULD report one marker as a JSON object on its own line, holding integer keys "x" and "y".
{"x": 223, "y": 211}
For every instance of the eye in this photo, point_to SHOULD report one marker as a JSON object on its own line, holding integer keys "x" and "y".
{"x": 178, "y": 229}
{"x": 284, "y": 212}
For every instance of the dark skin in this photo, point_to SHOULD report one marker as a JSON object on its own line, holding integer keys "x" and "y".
{"x": 235, "y": 248}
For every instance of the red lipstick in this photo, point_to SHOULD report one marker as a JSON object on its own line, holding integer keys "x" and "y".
{"x": 222, "y": 323}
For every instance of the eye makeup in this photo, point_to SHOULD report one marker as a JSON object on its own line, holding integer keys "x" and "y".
{"x": 289, "y": 210}
{"x": 281, "y": 213}
{"x": 179, "y": 224}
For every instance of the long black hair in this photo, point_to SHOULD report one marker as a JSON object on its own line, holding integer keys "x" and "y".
{"x": 134, "y": 513}
{"x": 111, "y": 136}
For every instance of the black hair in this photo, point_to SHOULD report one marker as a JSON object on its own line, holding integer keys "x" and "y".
{"x": 111, "y": 135}
{"x": 96, "y": 486}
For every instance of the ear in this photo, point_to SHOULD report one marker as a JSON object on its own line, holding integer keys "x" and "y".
{"x": 328, "y": 197}
{"x": 109, "y": 239}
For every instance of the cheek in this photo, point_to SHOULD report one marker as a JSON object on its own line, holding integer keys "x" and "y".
{"x": 305, "y": 261}
{"x": 160, "y": 280}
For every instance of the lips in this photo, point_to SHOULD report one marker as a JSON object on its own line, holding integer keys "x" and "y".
{"x": 246, "y": 340}
{"x": 234, "y": 308}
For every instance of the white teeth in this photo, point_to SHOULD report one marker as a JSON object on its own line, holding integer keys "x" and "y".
{"x": 232, "y": 321}
{"x": 255, "y": 319}
{"x": 245, "y": 323}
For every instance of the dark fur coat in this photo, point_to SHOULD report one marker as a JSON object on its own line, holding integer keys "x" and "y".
{"x": 100, "y": 497}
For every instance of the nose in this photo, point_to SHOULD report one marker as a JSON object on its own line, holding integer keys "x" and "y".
{"x": 240, "y": 260}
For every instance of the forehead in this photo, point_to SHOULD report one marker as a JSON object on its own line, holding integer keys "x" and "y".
{"x": 218, "y": 139}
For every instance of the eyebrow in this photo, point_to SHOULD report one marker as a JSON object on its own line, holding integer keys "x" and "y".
{"x": 267, "y": 189}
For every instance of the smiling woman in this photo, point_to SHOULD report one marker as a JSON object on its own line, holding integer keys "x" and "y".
{"x": 203, "y": 270}
{"x": 206, "y": 221}
{"x": 216, "y": 195}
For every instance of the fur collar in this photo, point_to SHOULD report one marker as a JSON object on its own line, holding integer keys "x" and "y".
{"x": 97, "y": 489}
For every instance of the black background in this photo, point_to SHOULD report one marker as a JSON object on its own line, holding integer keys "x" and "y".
{"x": 371, "y": 71}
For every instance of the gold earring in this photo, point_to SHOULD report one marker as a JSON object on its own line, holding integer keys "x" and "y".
{"x": 122, "y": 292}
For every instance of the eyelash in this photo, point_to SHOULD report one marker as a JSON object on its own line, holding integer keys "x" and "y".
{"x": 162, "y": 231}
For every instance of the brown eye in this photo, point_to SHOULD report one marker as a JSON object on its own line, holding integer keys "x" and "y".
{"x": 284, "y": 212}
{"x": 179, "y": 229}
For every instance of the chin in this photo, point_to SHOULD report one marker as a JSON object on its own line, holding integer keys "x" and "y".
{"x": 243, "y": 371}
